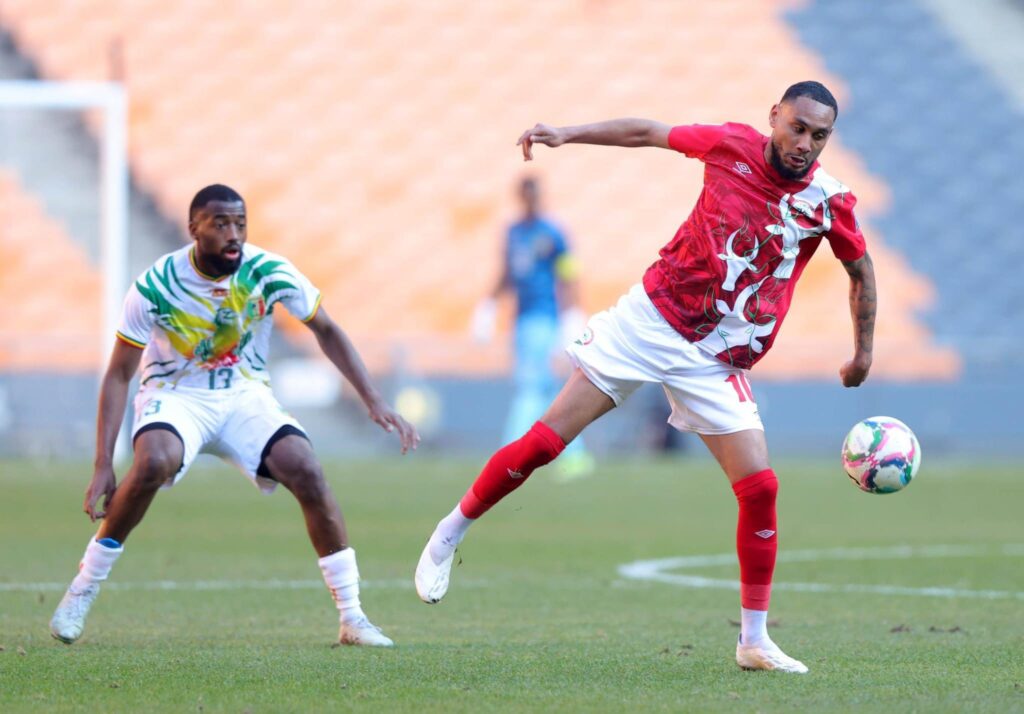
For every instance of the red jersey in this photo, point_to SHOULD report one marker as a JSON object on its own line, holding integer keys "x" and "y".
{"x": 726, "y": 279}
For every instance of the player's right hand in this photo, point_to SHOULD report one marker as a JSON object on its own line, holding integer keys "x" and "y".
{"x": 540, "y": 134}
{"x": 102, "y": 486}
{"x": 389, "y": 420}
{"x": 854, "y": 372}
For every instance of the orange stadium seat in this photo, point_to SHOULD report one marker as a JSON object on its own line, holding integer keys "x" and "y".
{"x": 375, "y": 145}
{"x": 53, "y": 325}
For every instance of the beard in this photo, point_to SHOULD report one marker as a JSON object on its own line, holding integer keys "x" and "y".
{"x": 775, "y": 159}
{"x": 222, "y": 265}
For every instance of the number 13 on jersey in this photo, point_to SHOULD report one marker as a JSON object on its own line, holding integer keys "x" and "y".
{"x": 221, "y": 378}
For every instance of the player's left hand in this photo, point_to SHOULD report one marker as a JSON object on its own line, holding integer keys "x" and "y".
{"x": 389, "y": 420}
{"x": 854, "y": 372}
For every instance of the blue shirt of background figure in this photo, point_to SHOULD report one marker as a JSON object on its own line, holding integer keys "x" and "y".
{"x": 533, "y": 249}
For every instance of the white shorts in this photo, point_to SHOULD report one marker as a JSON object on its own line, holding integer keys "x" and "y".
{"x": 631, "y": 343}
{"x": 235, "y": 425}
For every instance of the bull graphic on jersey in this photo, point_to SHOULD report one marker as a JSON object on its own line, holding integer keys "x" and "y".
{"x": 804, "y": 204}
{"x": 734, "y": 328}
{"x": 786, "y": 213}
{"x": 792, "y": 232}
{"x": 737, "y": 263}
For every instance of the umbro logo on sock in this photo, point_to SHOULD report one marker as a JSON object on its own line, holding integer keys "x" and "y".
{"x": 514, "y": 474}
{"x": 766, "y": 534}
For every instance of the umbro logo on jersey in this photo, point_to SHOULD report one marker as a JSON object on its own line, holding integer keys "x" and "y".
{"x": 514, "y": 474}
{"x": 766, "y": 534}
{"x": 743, "y": 168}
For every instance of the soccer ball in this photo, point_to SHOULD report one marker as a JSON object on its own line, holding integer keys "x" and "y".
{"x": 881, "y": 455}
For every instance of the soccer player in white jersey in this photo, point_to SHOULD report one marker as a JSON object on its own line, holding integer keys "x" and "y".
{"x": 706, "y": 311}
{"x": 199, "y": 321}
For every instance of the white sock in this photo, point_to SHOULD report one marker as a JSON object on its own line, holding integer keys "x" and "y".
{"x": 96, "y": 564}
{"x": 342, "y": 577}
{"x": 753, "y": 626}
{"x": 448, "y": 534}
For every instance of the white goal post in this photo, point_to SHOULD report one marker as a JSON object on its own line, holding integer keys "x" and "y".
{"x": 110, "y": 98}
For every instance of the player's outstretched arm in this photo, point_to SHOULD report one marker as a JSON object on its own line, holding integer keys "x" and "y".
{"x": 342, "y": 353}
{"x": 615, "y": 132}
{"x": 863, "y": 306}
{"x": 124, "y": 361}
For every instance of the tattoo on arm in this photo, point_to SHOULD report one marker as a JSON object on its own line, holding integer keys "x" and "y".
{"x": 863, "y": 302}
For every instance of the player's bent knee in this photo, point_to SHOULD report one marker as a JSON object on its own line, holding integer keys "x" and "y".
{"x": 155, "y": 468}
{"x": 306, "y": 480}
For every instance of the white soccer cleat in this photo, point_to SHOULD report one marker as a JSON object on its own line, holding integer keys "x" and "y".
{"x": 432, "y": 577}
{"x": 767, "y": 656}
{"x": 69, "y": 618}
{"x": 360, "y": 631}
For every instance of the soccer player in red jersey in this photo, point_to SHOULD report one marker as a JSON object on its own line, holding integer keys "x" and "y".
{"x": 706, "y": 311}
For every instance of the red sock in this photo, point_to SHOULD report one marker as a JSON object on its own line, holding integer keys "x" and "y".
{"x": 509, "y": 468}
{"x": 756, "y": 540}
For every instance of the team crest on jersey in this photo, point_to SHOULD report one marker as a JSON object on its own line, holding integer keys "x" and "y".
{"x": 586, "y": 338}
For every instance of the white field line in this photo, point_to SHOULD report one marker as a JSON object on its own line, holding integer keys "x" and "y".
{"x": 657, "y": 570}
{"x": 651, "y": 570}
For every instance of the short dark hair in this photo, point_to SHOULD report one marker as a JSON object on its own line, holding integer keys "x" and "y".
{"x": 213, "y": 192}
{"x": 812, "y": 90}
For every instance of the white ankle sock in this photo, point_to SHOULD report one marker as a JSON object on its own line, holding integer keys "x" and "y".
{"x": 96, "y": 564}
{"x": 449, "y": 533}
{"x": 753, "y": 626}
{"x": 342, "y": 577}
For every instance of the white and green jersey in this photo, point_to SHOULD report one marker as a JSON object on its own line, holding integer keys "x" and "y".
{"x": 210, "y": 333}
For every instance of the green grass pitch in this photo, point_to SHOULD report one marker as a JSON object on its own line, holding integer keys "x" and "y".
{"x": 216, "y": 604}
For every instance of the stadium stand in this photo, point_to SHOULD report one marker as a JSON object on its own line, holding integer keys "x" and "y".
{"x": 948, "y": 142}
{"x": 50, "y": 287}
{"x": 379, "y": 156}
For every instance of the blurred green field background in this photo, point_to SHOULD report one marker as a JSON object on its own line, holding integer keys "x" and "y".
{"x": 538, "y": 617}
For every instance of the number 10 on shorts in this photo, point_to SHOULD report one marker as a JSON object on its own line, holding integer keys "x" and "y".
{"x": 742, "y": 386}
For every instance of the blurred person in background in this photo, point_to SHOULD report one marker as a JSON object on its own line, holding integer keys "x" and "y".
{"x": 199, "y": 322}
{"x": 706, "y": 311}
{"x": 540, "y": 272}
